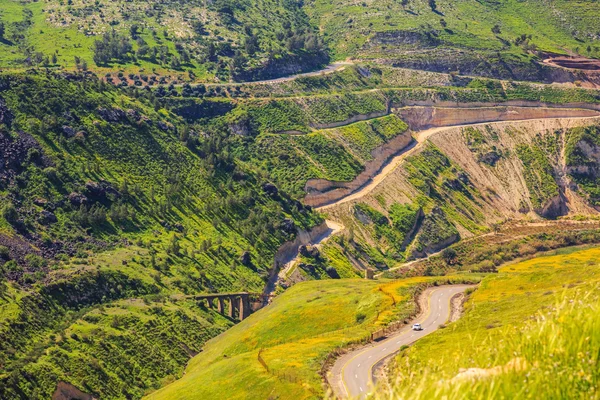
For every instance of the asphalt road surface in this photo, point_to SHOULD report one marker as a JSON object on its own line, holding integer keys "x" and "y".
{"x": 357, "y": 371}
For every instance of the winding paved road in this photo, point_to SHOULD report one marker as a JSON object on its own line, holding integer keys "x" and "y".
{"x": 355, "y": 370}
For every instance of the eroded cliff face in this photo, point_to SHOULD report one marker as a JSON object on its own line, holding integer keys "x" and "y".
{"x": 472, "y": 176}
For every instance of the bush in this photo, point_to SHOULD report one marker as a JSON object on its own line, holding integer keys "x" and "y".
{"x": 35, "y": 261}
{"x": 9, "y": 212}
{"x": 4, "y": 253}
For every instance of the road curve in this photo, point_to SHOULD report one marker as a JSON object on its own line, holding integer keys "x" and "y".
{"x": 420, "y": 138}
{"x": 353, "y": 373}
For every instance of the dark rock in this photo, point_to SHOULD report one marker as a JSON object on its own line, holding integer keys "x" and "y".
{"x": 165, "y": 126}
{"x": 490, "y": 158}
{"x": 77, "y": 199}
{"x": 270, "y": 189}
{"x": 68, "y": 131}
{"x": 14, "y": 155}
{"x": 47, "y": 217}
{"x": 553, "y": 208}
{"x": 133, "y": 114}
{"x": 332, "y": 272}
{"x": 6, "y": 116}
{"x": 307, "y": 267}
{"x": 178, "y": 227}
{"x": 288, "y": 226}
{"x": 112, "y": 114}
{"x": 101, "y": 190}
{"x": 309, "y": 251}
{"x": 246, "y": 258}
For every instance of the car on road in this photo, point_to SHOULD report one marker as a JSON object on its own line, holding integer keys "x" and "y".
{"x": 417, "y": 327}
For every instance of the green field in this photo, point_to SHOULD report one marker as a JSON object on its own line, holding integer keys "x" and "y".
{"x": 278, "y": 352}
{"x": 531, "y": 329}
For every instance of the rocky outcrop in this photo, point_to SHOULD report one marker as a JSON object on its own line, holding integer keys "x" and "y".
{"x": 321, "y": 191}
{"x": 554, "y": 207}
{"x": 288, "y": 251}
{"x": 66, "y": 391}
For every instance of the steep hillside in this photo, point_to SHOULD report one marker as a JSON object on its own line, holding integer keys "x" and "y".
{"x": 459, "y": 181}
{"x": 110, "y": 207}
{"x": 490, "y": 38}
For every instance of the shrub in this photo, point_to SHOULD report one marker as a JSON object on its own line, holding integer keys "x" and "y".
{"x": 4, "y": 253}
{"x": 9, "y": 212}
{"x": 35, "y": 261}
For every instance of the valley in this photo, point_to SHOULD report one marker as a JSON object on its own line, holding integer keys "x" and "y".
{"x": 257, "y": 199}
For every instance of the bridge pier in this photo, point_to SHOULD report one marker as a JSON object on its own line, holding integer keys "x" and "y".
{"x": 232, "y": 306}
{"x": 244, "y": 306}
{"x": 239, "y": 305}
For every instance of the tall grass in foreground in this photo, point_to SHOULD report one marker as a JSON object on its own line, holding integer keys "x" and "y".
{"x": 554, "y": 356}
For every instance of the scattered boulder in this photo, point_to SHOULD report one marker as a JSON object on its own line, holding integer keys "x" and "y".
{"x": 47, "y": 217}
{"x": 309, "y": 251}
{"x": 332, "y": 272}
{"x": 490, "y": 158}
{"x": 101, "y": 190}
{"x": 77, "y": 199}
{"x": 246, "y": 258}
{"x": 68, "y": 131}
{"x": 288, "y": 226}
{"x": 165, "y": 126}
{"x": 133, "y": 114}
{"x": 112, "y": 114}
{"x": 361, "y": 216}
{"x": 270, "y": 189}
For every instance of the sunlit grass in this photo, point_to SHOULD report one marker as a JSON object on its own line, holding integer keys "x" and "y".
{"x": 532, "y": 330}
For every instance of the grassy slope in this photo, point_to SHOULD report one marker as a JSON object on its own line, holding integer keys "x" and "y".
{"x": 332, "y": 314}
{"x": 182, "y": 233}
{"x": 558, "y": 26}
{"x": 70, "y": 30}
{"x": 337, "y": 154}
{"x": 543, "y": 311}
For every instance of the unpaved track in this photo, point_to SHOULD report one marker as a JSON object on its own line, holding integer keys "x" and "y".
{"x": 420, "y": 137}
{"x": 352, "y": 374}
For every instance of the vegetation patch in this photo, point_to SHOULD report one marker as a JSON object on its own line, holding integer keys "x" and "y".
{"x": 551, "y": 300}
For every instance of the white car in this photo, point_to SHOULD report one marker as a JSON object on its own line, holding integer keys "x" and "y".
{"x": 417, "y": 327}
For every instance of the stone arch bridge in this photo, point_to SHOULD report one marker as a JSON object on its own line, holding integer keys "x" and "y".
{"x": 234, "y": 305}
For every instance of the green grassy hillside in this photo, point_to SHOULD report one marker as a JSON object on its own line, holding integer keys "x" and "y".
{"x": 271, "y": 354}
{"x": 107, "y": 199}
{"x": 337, "y": 154}
{"x": 533, "y": 328}
{"x": 395, "y": 29}
{"x": 221, "y": 39}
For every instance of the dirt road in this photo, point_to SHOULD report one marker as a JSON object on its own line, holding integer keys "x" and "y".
{"x": 420, "y": 138}
{"x": 353, "y": 373}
